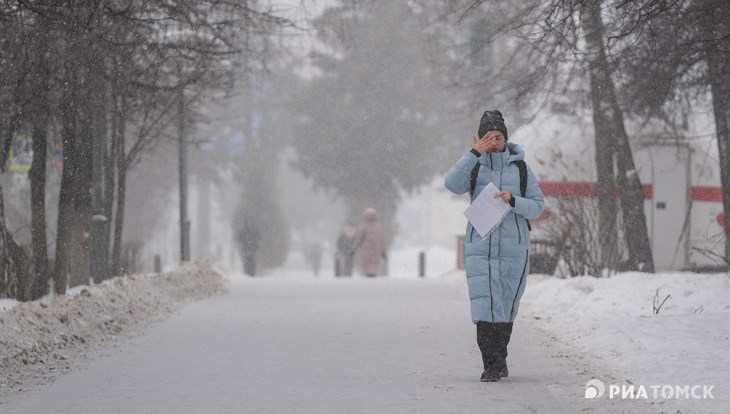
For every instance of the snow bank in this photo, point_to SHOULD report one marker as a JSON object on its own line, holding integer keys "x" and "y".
{"x": 40, "y": 337}
{"x": 611, "y": 323}
{"x": 6, "y": 304}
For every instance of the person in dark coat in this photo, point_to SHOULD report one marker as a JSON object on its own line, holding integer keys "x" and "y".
{"x": 249, "y": 238}
{"x": 346, "y": 251}
{"x": 497, "y": 267}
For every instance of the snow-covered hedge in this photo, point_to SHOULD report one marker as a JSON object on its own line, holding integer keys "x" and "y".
{"x": 41, "y": 336}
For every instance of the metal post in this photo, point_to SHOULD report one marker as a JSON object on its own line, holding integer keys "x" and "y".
{"x": 158, "y": 264}
{"x": 422, "y": 264}
{"x": 184, "y": 222}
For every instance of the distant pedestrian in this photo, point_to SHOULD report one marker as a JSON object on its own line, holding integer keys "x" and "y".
{"x": 370, "y": 243}
{"x": 249, "y": 238}
{"x": 497, "y": 267}
{"x": 345, "y": 251}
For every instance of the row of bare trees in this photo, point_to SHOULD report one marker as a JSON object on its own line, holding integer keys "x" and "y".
{"x": 630, "y": 58}
{"x": 105, "y": 81}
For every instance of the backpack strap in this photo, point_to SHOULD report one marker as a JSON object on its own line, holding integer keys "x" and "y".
{"x": 522, "y": 166}
{"x": 473, "y": 182}
{"x": 523, "y": 176}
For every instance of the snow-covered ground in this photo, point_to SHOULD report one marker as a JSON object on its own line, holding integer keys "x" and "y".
{"x": 41, "y": 339}
{"x": 610, "y": 323}
{"x": 296, "y": 343}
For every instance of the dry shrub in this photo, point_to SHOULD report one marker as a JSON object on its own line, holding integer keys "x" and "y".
{"x": 573, "y": 231}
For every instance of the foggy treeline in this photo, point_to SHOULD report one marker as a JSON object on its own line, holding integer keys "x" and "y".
{"x": 96, "y": 85}
{"x": 372, "y": 112}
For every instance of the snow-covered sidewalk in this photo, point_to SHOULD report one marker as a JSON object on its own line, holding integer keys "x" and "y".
{"x": 295, "y": 345}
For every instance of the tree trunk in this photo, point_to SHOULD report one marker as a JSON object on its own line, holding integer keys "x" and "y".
{"x": 40, "y": 113}
{"x": 37, "y": 175}
{"x": 80, "y": 253}
{"x": 99, "y": 223}
{"x": 5, "y": 267}
{"x": 65, "y": 198}
{"x": 74, "y": 206}
{"x": 609, "y": 125}
{"x": 119, "y": 218}
{"x": 605, "y": 146}
{"x": 183, "y": 173}
{"x": 111, "y": 188}
{"x": 119, "y": 156}
{"x": 202, "y": 238}
{"x": 9, "y": 271}
{"x": 14, "y": 262}
{"x": 717, "y": 28}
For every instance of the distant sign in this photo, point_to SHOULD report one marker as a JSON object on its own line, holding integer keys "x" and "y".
{"x": 21, "y": 154}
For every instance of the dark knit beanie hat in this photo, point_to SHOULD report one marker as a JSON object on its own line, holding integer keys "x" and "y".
{"x": 492, "y": 121}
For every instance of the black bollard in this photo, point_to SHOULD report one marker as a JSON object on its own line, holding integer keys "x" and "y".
{"x": 422, "y": 264}
{"x": 158, "y": 263}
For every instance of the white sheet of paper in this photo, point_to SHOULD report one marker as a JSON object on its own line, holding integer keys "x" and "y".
{"x": 487, "y": 211}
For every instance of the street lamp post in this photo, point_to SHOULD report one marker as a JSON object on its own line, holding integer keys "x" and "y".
{"x": 182, "y": 152}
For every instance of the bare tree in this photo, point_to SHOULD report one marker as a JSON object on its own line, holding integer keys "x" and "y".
{"x": 612, "y": 141}
{"x": 25, "y": 83}
{"x": 115, "y": 66}
{"x": 39, "y": 115}
{"x": 716, "y": 33}
{"x": 682, "y": 54}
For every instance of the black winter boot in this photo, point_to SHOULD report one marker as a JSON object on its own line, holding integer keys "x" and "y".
{"x": 488, "y": 340}
{"x": 504, "y": 333}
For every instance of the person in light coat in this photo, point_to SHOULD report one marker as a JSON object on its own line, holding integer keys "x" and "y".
{"x": 370, "y": 243}
{"x": 496, "y": 267}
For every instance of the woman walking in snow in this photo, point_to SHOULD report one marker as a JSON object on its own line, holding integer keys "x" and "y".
{"x": 497, "y": 267}
{"x": 370, "y": 243}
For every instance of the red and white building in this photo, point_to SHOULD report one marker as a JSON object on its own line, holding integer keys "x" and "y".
{"x": 680, "y": 178}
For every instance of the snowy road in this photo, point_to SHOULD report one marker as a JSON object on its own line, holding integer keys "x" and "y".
{"x": 294, "y": 345}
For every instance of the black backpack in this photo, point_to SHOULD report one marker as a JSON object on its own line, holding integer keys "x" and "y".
{"x": 521, "y": 165}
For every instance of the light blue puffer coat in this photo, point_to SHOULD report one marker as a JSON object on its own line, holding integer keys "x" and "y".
{"x": 497, "y": 267}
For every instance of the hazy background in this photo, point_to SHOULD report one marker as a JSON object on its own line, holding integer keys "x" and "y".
{"x": 299, "y": 114}
{"x": 328, "y": 138}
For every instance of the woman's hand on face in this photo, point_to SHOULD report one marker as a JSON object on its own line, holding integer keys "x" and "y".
{"x": 486, "y": 143}
{"x": 478, "y": 145}
{"x": 482, "y": 145}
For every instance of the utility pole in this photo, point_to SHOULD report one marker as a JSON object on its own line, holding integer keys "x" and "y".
{"x": 182, "y": 148}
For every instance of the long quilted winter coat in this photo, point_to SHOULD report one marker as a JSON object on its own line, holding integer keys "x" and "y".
{"x": 370, "y": 242}
{"x": 497, "y": 267}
